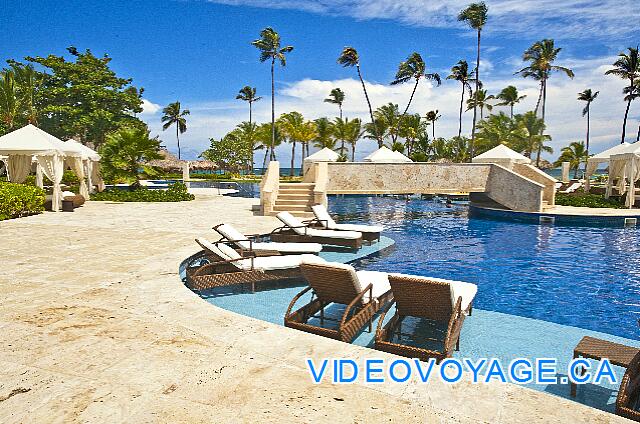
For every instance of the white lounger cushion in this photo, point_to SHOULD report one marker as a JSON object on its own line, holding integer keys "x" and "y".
{"x": 325, "y": 219}
{"x": 289, "y": 247}
{"x": 279, "y": 262}
{"x": 467, "y": 291}
{"x": 264, "y": 262}
{"x": 298, "y": 227}
{"x": 231, "y": 233}
{"x": 361, "y": 279}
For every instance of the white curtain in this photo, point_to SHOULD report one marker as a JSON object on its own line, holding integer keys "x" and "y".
{"x": 96, "y": 177}
{"x": 18, "y": 167}
{"x": 77, "y": 167}
{"x": 53, "y": 168}
{"x": 88, "y": 171}
{"x": 39, "y": 177}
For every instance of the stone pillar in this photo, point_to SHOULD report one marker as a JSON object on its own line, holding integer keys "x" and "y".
{"x": 565, "y": 172}
{"x": 185, "y": 174}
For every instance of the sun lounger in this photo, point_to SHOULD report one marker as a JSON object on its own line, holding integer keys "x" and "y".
{"x": 247, "y": 243}
{"x": 364, "y": 293}
{"x": 229, "y": 267}
{"x": 442, "y": 302}
{"x": 295, "y": 231}
{"x": 369, "y": 232}
{"x": 572, "y": 188}
{"x": 628, "y": 400}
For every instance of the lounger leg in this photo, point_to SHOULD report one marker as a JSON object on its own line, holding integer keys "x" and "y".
{"x": 322, "y": 314}
{"x": 470, "y": 309}
{"x": 458, "y": 344}
{"x": 573, "y": 385}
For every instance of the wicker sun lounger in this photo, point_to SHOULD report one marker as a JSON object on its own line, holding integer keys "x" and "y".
{"x": 251, "y": 243}
{"x": 228, "y": 267}
{"x": 295, "y": 231}
{"x": 440, "y": 301}
{"x": 628, "y": 400}
{"x": 364, "y": 293}
{"x": 370, "y": 233}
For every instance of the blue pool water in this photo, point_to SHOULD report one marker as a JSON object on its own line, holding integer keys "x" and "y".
{"x": 579, "y": 276}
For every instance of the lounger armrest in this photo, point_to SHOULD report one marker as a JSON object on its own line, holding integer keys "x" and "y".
{"x": 383, "y": 314}
{"x": 455, "y": 327}
{"x": 356, "y": 300}
{"x": 323, "y": 222}
{"x": 294, "y": 300}
{"x": 285, "y": 227}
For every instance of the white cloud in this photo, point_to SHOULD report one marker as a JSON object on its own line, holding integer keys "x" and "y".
{"x": 564, "y": 112}
{"x": 569, "y": 18}
{"x": 150, "y": 108}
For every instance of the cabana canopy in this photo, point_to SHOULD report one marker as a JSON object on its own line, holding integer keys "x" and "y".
{"x": 324, "y": 155}
{"x": 386, "y": 155}
{"x": 603, "y": 157}
{"x": 86, "y": 152}
{"x": 23, "y": 144}
{"x": 501, "y": 155}
{"x": 625, "y": 167}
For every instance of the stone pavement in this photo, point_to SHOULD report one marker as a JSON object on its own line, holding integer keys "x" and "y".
{"x": 95, "y": 326}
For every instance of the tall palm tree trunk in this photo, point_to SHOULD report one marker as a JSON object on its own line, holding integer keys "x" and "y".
{"x": 475, "y": 113}
{"x": 178, "y": 139}
{"x": 624, "y": 123}
{"x": 512, "y": 111}
{"x": 293, "y": 155}
{"x": 413, "y": 92}
{"x": 353, "y": 152}
{"x": 460, "y": 117}
{"x": 250, "y": 114}
{"x": 433, "y": 129}
{"x": 544, "y": 105}
{"x": 588, "y": 131}
{"x": 366, "y": 95}
{"x": 638, "y": 136}
{"x": 273, "y": 111}
{"x": 340, "y": 108}
{"x": 539, "y": 99}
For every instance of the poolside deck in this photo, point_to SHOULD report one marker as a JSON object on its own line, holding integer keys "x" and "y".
{"x": 95, "y": 326}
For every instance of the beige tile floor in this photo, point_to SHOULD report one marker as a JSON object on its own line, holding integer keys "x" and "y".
{"x": 95, "y": 326}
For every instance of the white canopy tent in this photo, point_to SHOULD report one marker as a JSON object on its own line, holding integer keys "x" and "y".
{"x": 603, "y": 157}
{"x": 501, "y": 155}
{"x": 91, "y": 168}
{"x": 21, "y": 145}
{"x": 386, "y": 155}
{"x": 323, "y": 155}
{"x": 625, "y": 167}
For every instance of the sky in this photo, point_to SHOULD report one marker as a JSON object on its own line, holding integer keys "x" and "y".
{"x": 199, "y": 52}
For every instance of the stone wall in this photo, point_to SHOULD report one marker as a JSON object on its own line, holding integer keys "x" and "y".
{"x": 399, "y": 178}
{"x": 513, "y": 190}
{"x": 535, "y": 174}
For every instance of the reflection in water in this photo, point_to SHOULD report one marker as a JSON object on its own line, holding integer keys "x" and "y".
{"x": 580, "y": 276}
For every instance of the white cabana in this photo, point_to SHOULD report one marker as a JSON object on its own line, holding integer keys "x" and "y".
{"x": 625, "y": 167}
{"x": 601, "y": 158}
{"x": 386, "y": 155}
{"x": 21, "y": 145}
{"x": 323, "y": 155}
{"x": 501, "y": 155}
{"x": 91, "y": 168}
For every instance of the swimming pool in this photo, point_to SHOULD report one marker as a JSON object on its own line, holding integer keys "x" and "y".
{"x": 540, "y": 288}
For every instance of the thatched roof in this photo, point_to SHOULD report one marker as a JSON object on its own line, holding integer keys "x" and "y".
{"x": 171, "y": 163}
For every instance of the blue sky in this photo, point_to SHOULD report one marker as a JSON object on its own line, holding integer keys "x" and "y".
{"x": 199, "y": 52}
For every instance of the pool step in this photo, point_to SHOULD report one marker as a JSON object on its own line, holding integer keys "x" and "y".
{"x": 295, "y": 198}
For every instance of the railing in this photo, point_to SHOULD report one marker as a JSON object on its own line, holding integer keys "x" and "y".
{"x": 269, "y": 187}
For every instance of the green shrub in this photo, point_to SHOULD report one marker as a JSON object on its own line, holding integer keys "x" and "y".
{"x": 176, "y": 192}
{"x": 18, "y": 200}
{"x": 587, "y": 201}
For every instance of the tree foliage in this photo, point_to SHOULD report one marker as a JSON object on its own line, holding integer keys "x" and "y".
{"x": 125, "y": 151}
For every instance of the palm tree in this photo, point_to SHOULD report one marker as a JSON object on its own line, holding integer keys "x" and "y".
{"x": 173, "y": 115}
{"x": 9, "y": 103}
{"x": 476, "y": 16}
{"x": 248, "y": 94}
{"x": 126, "y": 150}
{"x": 269, "y": 46}
{"x": 246, "y": 132}
{"x": 432, "y": 116}
{"x": 460, "y": 73}
{"x": 413, "y": 68}
{"x": 509, "y": 96}
{"x": 587, "y": 96}
{"x": 337, "y": 98}
{"x": 627, "y": 67}
{"x": 533, "y": 136}
{"x": 28, "y": 83}
{"x": 499, "y": 129}
{"x": 387, "y": 121}
{"x": 350, "y": 132}
{"x": 411, "y": 129}
{"x": 264, "y": 136}
{"x": 306, "y": 133}
{"x": 324, "y": 134}
{"x": 480, "y": 100}
{"x": 290, "y": 124}
{"x": 349, "y": 58}
{"x": 541, "y": 56}
{"x": 575, "y": 153}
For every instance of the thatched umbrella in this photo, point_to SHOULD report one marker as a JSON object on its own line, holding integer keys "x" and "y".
{"x": 170, "y": 163}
